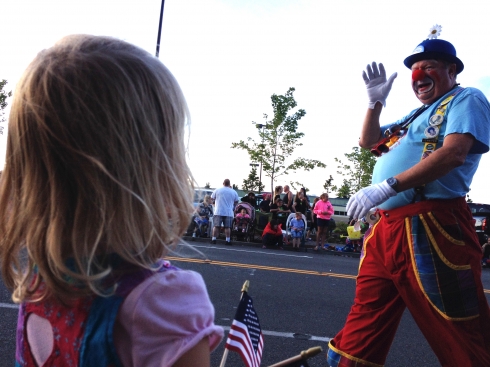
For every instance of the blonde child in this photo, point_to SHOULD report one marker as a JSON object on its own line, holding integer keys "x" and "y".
{"x": 94, "y": 193}
{"x": 297, "y": 226}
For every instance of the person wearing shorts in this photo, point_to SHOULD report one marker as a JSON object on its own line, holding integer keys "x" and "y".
{"x": 225, "y": 199}
{"x": 323, "y": 210}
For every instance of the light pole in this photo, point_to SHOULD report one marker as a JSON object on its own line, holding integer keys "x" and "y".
{"x": 157, "y": 53}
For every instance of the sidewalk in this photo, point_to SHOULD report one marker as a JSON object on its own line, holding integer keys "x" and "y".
{"x": 308, "y": 246}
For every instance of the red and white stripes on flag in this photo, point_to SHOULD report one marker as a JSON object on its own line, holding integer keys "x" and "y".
{"x": 245, "y": 336}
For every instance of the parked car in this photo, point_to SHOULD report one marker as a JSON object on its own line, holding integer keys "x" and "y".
{"x": 481, "y": 215}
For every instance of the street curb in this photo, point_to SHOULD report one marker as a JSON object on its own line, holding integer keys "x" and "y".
{"x": 309, "y": 247}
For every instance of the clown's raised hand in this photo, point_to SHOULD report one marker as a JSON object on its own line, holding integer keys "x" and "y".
{"x": 377, "y": 86}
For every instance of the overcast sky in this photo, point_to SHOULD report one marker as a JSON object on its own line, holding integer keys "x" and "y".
{"x": 230, "y": 56}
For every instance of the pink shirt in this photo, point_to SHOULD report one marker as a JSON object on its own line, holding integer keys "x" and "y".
{"x": 322, "y": 206}
{"x": 163, "y": 318}
{"x": 242, "y": 216}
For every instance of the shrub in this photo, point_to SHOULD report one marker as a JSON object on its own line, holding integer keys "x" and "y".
{"x": 341, "y": 228}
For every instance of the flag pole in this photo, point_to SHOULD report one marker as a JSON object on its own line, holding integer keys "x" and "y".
{"x": 303, "y": 355}
{"x": 225, "y": 354}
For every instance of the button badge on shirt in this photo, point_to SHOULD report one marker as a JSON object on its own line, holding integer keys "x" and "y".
{"x": 436, "y": 120}
{"x": 431, "y": 132}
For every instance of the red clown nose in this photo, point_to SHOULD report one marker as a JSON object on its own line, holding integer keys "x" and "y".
{"x": 417, "y": 75}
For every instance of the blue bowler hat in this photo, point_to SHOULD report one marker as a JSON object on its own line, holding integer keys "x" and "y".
{"x": 434, "y": 49}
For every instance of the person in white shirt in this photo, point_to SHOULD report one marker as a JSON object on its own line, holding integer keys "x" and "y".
{"x": 225, "y": 199}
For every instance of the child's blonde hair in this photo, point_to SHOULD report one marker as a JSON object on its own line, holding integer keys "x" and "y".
{"x": 95, "y": 167}
{"x": 207, "y": 199}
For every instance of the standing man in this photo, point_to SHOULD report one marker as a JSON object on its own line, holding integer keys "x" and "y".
{"x": 225, "y": 199}
{"x": 423, "y": 252}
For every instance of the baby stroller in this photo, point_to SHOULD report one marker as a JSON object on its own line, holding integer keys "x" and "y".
{"x": 246, "y": 233}
{"x": 288, "y": 228}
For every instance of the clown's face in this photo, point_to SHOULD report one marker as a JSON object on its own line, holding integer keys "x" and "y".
{"x": 431, "y": 79}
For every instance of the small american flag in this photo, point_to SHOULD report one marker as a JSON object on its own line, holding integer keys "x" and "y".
{"x": 245, "y": 336}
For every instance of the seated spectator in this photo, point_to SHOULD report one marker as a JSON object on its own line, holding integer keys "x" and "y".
{"x": 242, "y": 220}
{"x": 297, "y": 227}
{"x": 272, "y": 235}
{"x": 265, "y": 205}
{"x": 278, "y": 209}
{"x": 251, "y": 199}
{"x": 202, "y": 214}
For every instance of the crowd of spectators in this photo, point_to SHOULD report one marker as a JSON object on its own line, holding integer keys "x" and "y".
{"x": 280, "y": 204}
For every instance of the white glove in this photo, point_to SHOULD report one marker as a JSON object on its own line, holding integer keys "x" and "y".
{"x": 367, "y": 198}
{"x": 377, "y": 86}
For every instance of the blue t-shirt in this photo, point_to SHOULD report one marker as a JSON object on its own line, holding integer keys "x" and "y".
{"x": 297, "y": 223}
{"x": 467, "y": 113}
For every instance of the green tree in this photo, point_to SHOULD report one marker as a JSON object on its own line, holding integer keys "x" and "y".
{"x": 278, "y": 140}
{"x": 328, "y": 185}
{"x": 3, "y": 102}
{"x": 344, "y": 191}
{"x": 296, "y": 186}
{"x": 357, "y": 174}
{"x": 207, "y": 186}
{"x": 252, "y": 183}
{"x": 234, "y": 187}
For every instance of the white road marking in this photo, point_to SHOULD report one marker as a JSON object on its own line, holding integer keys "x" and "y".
{"x": 287, "y": 335}
{"x": 227, "y": 328}
{"x": 257, "y": 252}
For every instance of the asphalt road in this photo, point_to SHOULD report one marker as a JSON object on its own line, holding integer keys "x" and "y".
{"x": 295, "y": 293}
{"x": 302, "y": 300}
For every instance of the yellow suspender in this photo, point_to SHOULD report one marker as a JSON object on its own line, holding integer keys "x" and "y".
{"x": 435, "y": 123}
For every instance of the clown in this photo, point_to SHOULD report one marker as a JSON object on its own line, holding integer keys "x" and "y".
{"x": 422, "y": 253}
